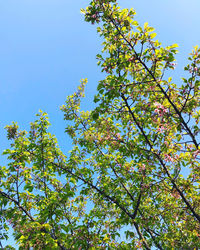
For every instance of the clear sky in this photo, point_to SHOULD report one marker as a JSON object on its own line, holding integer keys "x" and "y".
{"x": 46, "y": 48}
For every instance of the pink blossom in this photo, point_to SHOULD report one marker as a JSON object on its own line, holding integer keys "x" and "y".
{"x": 165, "y": 110}
{"x": 161, "y": 129}
{"x": 142, "y": 167}
{"x": 160, "y": 109}
{"x": 197, "y": 152}
{"x": 173, "y": 65}
{"x": 131, "y": 59}
{"x": 118, "y": 135}
{"x": 151, "y": 88}
{"x": 157, "y": 104}
{"x": 168, "y": 158}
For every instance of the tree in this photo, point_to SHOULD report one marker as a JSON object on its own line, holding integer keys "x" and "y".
{"x": 126, "y": 170}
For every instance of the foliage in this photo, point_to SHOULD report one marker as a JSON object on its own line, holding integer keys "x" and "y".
{"x": 134, "y": 165}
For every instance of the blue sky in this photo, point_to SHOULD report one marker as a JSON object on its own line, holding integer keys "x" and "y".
{"x": 46, "y": 48}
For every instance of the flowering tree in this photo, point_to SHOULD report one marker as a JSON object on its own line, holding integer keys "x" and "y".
{"x": 126, "y": 173}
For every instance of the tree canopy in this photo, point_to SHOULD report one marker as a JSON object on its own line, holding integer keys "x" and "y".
{"x": 133, "y": 169}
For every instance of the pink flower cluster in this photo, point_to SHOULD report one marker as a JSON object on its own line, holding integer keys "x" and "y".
{"x": 161, "y": 129}
{"x": 173, "y": 65}
{"x": 17, "y": 168}
{"x": 131, "y": 59}
{"x": 168, "y": 158}
{"x": 196, "y": 153}
{"x": 93, "y": 16}
{"x": 193, "y": 69}
{"x": 108, "y": 68}
{"x": 151, "y": 88}
{"x": 160, "y": 109}
{"x": 142, "y": 168}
